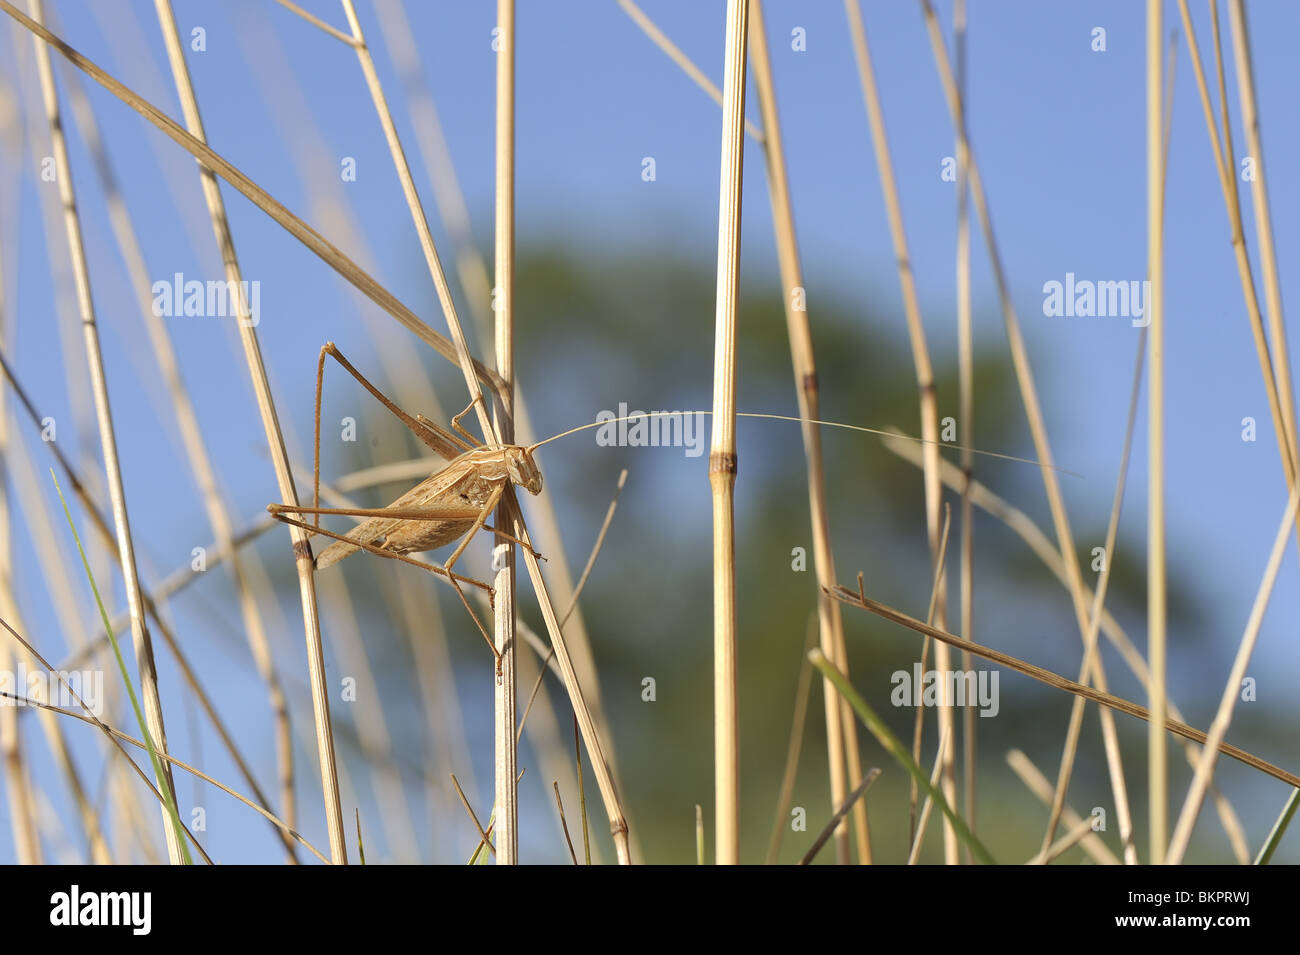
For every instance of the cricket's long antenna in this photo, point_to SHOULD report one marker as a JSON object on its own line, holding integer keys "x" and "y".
{"x": 828, "y": 424}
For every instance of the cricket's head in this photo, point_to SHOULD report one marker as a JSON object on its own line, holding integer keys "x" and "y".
{"x": 523, "y": 470}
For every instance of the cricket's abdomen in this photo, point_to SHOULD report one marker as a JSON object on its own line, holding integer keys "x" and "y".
{"x": 414, "y": 536}
{"x": 409, "y": 536}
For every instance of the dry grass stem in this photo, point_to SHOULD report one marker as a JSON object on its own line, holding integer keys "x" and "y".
{"x": 303, "y": 561}
{"x": 1157, "y": 597}
{"x": 503, "y": 554}
{"x": 1025, "y": 382}
{"x": 843, "y": 754}
{"x": 722, "y": 449}
{"x": 1223, "y": 718}
{"x": 1040, "y": 787}
{"x": 108, "y": 440}
{"x": 924, "y": 376}
{"x": 1108, "y": 700}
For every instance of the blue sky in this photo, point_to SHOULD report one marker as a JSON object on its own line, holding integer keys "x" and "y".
{"x": 1059, "y": 134}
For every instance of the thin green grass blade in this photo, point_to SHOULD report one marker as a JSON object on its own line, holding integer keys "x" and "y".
{"x": 896, "y": 749}
{"x": 164, "y": 784}
{"x": 480, "y": 854}
{"x": 1279, "y": 829}
{"x": 699, "y": 834}
{"x": 361, "y": 846}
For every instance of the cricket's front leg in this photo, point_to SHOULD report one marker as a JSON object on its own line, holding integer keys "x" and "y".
{"x": 477, "y": 526}
{"x": 455, "y": 422}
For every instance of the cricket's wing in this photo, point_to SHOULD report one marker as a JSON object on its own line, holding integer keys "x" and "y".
{"x": 375, "y": 530}
{"x": 372, "y": 531}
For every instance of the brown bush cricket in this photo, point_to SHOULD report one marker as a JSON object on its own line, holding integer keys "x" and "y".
{"x": 451, "y": 504}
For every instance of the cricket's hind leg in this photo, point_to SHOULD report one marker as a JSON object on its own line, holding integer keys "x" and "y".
{"x": 440, "y": 441}
{"x": 281, "y": 513}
